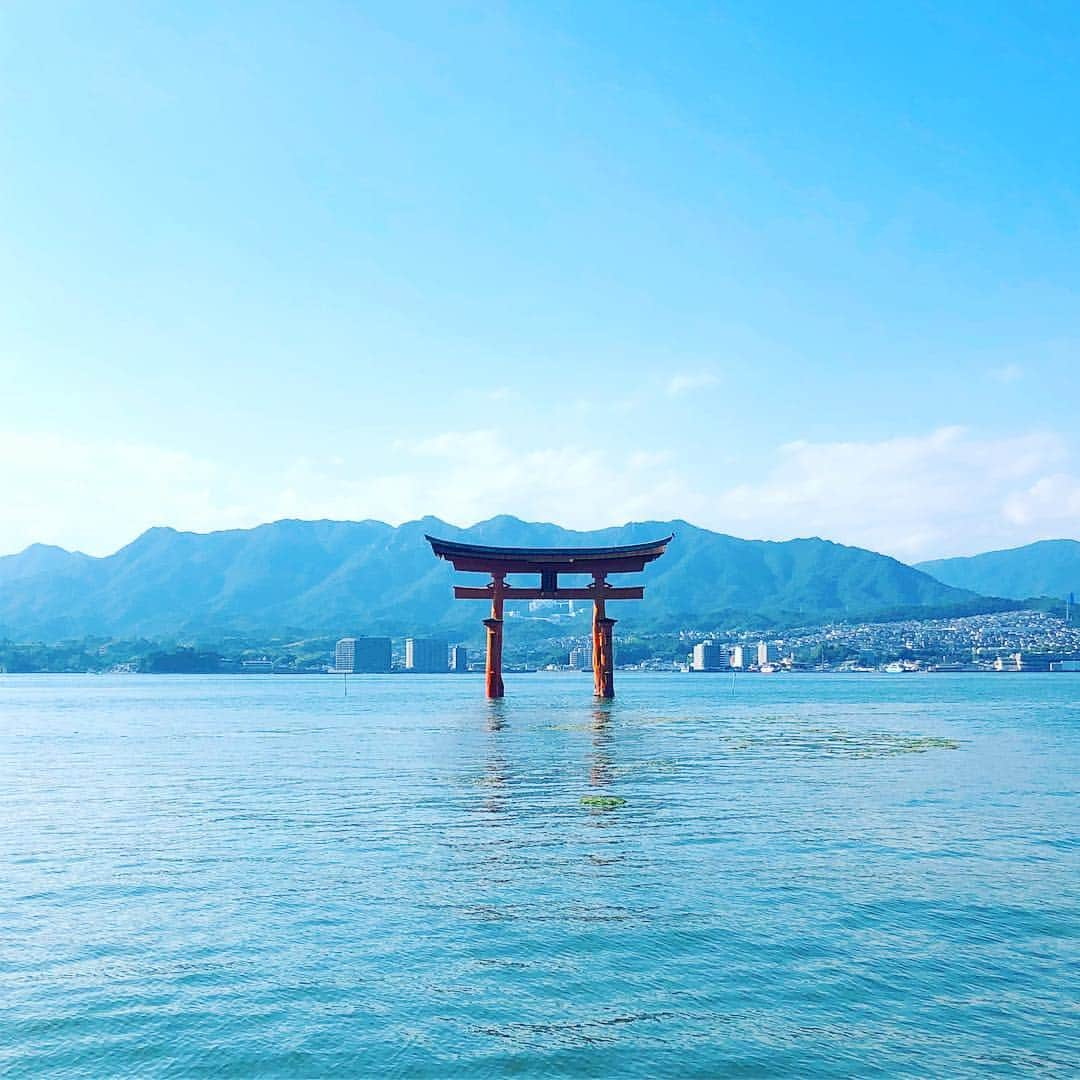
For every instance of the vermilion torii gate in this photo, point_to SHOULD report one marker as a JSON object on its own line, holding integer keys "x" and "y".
{"x": 549, "y": 563}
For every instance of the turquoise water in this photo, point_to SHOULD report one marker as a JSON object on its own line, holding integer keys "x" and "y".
{"x": 811, "y": 876}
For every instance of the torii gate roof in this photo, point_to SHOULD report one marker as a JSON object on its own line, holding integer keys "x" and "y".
{"x": 623, "y": 559}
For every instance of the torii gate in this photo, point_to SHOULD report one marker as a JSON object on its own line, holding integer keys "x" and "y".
{"x": 549, "y": 563}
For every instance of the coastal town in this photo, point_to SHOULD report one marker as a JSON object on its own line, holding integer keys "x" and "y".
{"x": 1016, "y": 641}
{"x": 1011, "y": 641}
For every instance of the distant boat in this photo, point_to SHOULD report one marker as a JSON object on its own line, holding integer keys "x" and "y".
{"x": 895, "y": 668}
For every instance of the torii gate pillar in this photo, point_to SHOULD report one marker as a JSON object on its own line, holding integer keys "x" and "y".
{"x": 493, "y": 663}
{"x": 603, "y": 645}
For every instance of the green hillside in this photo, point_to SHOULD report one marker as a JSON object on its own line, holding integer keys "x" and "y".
{"x": 342, "y": 576}
{"x": 1046, "y": 568}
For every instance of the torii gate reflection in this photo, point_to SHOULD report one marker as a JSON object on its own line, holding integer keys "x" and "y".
{"x": 598, "y": 562}
{"x": 499, "y": 774}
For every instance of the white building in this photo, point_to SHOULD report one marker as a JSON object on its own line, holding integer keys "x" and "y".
{"x": 345, "y": 654}
{"x": 766, "y": 653}
{"x": 581, "y": 658}
{"x": 743, "y": 657}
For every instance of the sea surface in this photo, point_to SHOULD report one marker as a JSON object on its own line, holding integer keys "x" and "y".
{"x": 804, "y": 875}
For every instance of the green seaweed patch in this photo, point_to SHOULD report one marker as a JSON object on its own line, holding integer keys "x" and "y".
{"x": 602, "y": 802}
{"x": 882, "y": 744}
{"x": 659, "y": 765}
{"x": 820, "y": 742}
{"x": 921, "y": 743}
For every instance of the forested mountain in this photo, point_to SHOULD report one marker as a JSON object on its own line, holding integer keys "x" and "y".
{"x": 1045, "y": 568}
{"x": 367, "y": 576}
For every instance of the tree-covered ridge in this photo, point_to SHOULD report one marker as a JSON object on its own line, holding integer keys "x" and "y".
{"x": 331, "y": 576}
{"x": 1045, "y": 568}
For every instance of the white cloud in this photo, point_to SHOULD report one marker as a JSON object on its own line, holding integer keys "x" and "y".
{"x": 1051, "y": 500}
{"x": 945, "y": 492}
{"x": 96, "y": 496}
{"x": 915, "y": 497}
{"x": 464, "y": 476}
{"x": 685, "y": 382}
{"x": 949, "y": 491}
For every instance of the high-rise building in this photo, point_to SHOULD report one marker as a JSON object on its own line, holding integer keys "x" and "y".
{"x": 362, "y": 655}
{"x": 766, "y": 653}
{"x": 459, "y": 658}
{"x": 581, "y": 658}
{"x": 708, "y": 656}
{"x": 345, "y": 654}
{"x": 372, "y": 654}
{"x": 742, "y": 657}
{"x": 425, "y": 655}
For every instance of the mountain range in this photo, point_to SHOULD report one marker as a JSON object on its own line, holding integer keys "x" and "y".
{"x": 306, "y": 577}
{"x": 1045, "y": 568}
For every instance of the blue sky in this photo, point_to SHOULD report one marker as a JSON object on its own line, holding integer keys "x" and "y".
{"x": 780, "y": 269}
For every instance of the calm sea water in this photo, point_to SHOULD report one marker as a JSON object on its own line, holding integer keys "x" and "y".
{"x": 809, "y": 876}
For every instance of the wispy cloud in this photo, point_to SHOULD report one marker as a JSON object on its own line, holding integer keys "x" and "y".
{"x": 97, "y": 495}
{"x": 948, "y": 491}
{"x": 482, "y": 472}
{"x": 1052, "y": 504}
{"x": 685, "y": 382}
